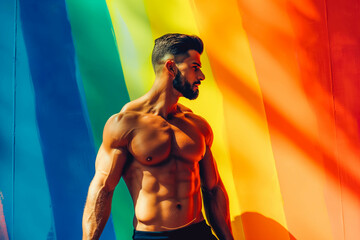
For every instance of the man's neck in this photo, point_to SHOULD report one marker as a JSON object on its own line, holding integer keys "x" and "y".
{"x": 162, "y": 98}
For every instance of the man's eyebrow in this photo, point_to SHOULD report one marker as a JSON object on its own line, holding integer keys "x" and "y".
{"x": 198, "y": 64}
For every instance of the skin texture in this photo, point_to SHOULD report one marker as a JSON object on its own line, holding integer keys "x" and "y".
{"x": 162, "y": 151}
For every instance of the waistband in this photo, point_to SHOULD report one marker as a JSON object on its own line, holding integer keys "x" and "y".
{"x": 193, "y": 231}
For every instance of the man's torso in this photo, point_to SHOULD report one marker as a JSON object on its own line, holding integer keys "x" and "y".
{"x": 162, "y": 174}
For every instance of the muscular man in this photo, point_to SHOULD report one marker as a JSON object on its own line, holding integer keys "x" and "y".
{"x": 162, "y": 151}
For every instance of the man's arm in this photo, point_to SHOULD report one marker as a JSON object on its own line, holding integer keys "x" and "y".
{"x": 215, "y": 198}
{"x": 109, "y": 165}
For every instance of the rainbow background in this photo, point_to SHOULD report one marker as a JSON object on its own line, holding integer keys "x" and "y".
{"x": 281, "y": 94}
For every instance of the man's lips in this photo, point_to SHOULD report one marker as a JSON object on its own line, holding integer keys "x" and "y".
{"x": 196, "y": 84}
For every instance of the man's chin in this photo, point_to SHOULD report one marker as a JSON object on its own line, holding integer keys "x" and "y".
{"x": 192, "y": 96}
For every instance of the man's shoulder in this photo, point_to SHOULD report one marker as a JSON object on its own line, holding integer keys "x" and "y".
{"x": 133, "y": 107}
{"x": 194, "y": 117}
{"x": 201, "y": 123}
{"x": 118, "y": 128}
{"x": 127, "y": 117}
{"x": 122, "y": 118}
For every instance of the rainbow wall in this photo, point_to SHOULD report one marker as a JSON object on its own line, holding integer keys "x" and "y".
{"x": 281, "y": 94}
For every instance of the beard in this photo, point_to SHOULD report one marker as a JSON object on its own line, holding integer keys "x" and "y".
{"x": 184, "y": 87}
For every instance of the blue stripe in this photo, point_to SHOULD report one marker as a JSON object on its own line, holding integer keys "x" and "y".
{"x": 66, "y": 145}
{"x": 7, "y": 47}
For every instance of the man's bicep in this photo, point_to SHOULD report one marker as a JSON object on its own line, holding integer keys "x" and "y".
{"x": 112, "y": 155}
{"x": 109, "y": 166}
{"x": 208, "y": 171}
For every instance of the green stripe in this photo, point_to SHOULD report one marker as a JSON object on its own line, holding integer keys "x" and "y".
{"x": 99, "y": 62}
{"x": 135, "y": 42}
{"x": 104, "y": 86}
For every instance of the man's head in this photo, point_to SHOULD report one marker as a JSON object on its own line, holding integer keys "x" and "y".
{"x": 181, "y": 55}
{"x": 175, "y": 44}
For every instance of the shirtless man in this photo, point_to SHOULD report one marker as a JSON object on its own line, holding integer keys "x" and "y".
{"x": 162, "y": 151}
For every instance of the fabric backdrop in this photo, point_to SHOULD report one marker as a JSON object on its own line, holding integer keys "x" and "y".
{"x": 281, "y": 94}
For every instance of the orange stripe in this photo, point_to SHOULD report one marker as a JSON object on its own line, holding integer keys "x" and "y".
{"x": 250, "y": 147}
{"x": 280, "y": 35}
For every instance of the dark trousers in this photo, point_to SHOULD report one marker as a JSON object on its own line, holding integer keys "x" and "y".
{"x": 196, "y": 231}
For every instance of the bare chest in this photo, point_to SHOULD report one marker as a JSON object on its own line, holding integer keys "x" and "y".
{"x": 154, "y": 140}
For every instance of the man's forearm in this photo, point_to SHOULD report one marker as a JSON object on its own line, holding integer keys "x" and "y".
{"x": 96, "y": 212}
{"x": 216, "y": 205}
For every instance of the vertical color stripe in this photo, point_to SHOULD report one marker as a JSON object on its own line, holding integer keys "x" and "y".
{"x": 133, "y": 36}
{"x": 64, "y": 137}
{"x": 104, "y": 87}
{"x": 288, "y": 75}
{"x": 254, "y": 169}
{"x": 7, "y": 45}
{"x": 165, "y": 18}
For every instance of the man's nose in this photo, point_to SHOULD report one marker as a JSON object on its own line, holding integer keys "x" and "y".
{"x": 201, "y": 76}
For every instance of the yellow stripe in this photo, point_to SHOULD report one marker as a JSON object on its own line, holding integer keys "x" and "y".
{"x": 176, "y": 16}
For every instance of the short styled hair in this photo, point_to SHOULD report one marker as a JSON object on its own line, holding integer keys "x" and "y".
{"x": 175, "y": 44}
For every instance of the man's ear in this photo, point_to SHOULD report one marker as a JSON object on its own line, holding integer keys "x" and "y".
{"x": 171, "y": 67}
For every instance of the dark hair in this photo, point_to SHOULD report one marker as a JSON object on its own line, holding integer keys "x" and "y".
{"x": 175, "y": 44}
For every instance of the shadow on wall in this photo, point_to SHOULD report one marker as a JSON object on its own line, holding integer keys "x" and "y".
{"x": 254, "y": 226}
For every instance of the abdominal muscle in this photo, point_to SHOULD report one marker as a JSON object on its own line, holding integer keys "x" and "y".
{"x": 166, "y": 197}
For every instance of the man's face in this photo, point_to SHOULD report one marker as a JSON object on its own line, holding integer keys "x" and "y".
{"x": 189, "y": 76}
